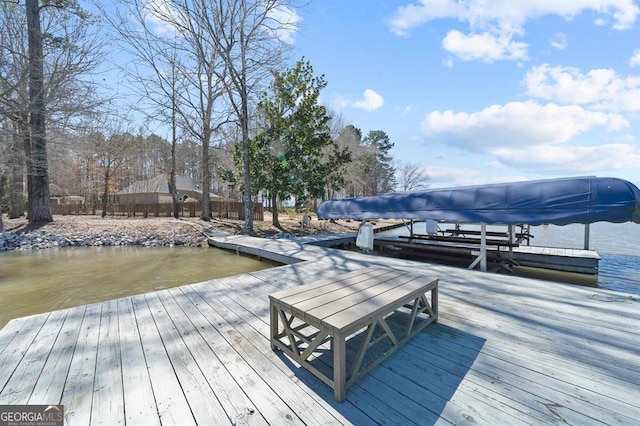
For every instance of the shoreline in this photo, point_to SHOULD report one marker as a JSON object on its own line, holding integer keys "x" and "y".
{"x": 92, "y": 231}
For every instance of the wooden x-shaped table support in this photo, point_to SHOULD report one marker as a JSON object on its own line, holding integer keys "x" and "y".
{"x": 304, "y": 318}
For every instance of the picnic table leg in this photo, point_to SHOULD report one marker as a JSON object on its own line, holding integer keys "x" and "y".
{"x": 434, "y": 302}
{"x": 339, "y": 368}
{"x": 274, "y": 325}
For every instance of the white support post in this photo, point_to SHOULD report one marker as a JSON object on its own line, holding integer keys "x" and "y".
{"x": 586, "y": 236}
{"x": 483, "y": 247}
{"x": 482, "y": 254}
{"x": 511, "y": 240}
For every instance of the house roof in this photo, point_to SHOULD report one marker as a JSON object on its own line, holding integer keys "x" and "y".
{"x": 57, "y": 191}
{"x": 160, "y": 184}
{"x": 555, "y": 201}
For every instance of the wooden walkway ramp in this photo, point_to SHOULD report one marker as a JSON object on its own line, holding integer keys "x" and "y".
{"x": 506, "y": 351}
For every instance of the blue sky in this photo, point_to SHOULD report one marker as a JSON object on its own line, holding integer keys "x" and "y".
{"x": 485, "y": 91}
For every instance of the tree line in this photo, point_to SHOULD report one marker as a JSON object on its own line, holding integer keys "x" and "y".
{"x": 211, "y": 77}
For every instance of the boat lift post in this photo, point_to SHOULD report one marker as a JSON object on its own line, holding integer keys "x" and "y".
{"x": 482, "y": 254}
{"x": 586, "y": 236}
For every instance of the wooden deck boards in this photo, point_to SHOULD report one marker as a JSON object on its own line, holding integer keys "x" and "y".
{"x": 505, "y": 351}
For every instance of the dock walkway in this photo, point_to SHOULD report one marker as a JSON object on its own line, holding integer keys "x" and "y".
{"x": 505, "y": 351}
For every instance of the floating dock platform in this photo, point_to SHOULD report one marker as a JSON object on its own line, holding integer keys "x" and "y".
{"x": 557, "y": 259}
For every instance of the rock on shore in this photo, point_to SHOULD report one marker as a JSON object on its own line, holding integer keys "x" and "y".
{"x": 42, "y": 239}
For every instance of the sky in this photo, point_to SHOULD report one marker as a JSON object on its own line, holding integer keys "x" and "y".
{"x": 483, "y": 91}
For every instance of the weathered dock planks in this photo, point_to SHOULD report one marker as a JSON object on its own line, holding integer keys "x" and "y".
{"x": 505, "y": 351}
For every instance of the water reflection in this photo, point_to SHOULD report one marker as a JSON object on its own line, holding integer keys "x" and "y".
{"x": 41, "y": 281}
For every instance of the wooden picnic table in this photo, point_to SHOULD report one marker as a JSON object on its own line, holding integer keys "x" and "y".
{"x": 357, "y": 303}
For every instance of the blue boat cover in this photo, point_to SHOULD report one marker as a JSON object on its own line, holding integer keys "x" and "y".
{"x": 554, "y": 201}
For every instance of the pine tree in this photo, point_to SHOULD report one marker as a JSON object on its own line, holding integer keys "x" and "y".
{"x": 378, "y": 164}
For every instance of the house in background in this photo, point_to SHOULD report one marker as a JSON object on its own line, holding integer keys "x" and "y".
{"x": 157, "y": 191}
{"x": 60, "y": 196}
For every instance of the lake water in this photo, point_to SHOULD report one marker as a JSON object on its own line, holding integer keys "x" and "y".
{"x": 618, "y": 245}
{"x": 32, "y": 282}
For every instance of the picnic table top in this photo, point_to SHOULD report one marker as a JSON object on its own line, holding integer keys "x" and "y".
{"x": 347, "y": 302}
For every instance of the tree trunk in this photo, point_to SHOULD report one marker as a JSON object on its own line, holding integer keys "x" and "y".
{"x": 174, "y": 191}
{"x": 26, "y": 140}
{"x": 274, "y": 210}
{"x": 206, "y": 180}
{"x": 3, "y": 182}
{"x": 16, "y": 194}
{"x": 174, "y": 188}
{"x": 244, "y": 123}
{"x": 246, "y": 194}
{"x": 39, "y": 205}
{"x": 105, "y": 193}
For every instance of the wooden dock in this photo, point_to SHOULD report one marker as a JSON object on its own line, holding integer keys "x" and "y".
{"x": 505, "y": 351}
{"x": 557, "y": 259}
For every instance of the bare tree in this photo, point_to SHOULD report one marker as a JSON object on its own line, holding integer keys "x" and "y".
{"x": 251, "y": 40}
{"x": 410, "y": 176}
{"x": 4, "y": 137}
{"x": 111, "y": 154}
{"x": 228, "y": 45}
{"x": 55, "y": 52}
{"x": 350, "y": 138}
{"x": 181, "y": 74}
{"x": 14, "y": 100}
{"x": 39, "y": 207}
{"x": 16, "y": 159}
{"x": 3, "y": 183}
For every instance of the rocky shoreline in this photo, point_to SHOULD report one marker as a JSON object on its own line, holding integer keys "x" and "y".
{"x": 38, "y": 240}
{"x": 95, "y": 231}
{"x": 46, "y": 239}
{"x": 42, "y": 239}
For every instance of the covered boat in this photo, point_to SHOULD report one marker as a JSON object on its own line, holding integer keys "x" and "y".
{"x": 554, "y": 201}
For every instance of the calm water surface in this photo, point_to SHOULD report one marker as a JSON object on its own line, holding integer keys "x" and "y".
{"x": 32, "y": 282}
{"x": 618, "y": 245}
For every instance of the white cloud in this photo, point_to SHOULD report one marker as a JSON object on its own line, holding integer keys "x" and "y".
{"x": 533, "y": 137}
{"x": 413, "y": 15}
{"x": 285, "y": 21}
{"x": 514, "y": 126}
{"x": 161, "y": 16}
{"x": 440, "y": 177}
{"x": 404, "y": 110}
{"x": 601, "y": 89}
{"x": 560, "y": 41}
{"x": 282, "y": 22}
{"x": 635, "y": 58}
{"x": 371, "y": 101}
{"x": 482, "y": 12}
{"x": 341, "y": 102}
{"x": 493, "y": 24}
{"x": 486, "y": 46}
{"x": 572, "y": 159}
{"x": 451, "y": 176}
